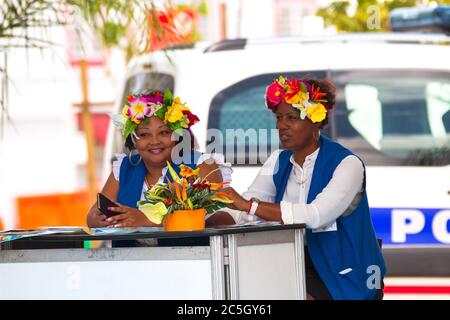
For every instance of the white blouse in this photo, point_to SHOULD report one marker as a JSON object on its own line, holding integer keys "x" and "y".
{"x": 219, "y": 159}
{"x": 341, "y": 195}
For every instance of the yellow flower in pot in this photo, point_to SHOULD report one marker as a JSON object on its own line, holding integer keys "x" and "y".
{"x": 181, "y": 204}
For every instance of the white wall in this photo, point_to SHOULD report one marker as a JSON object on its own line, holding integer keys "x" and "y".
{"x": 257, "y": 18}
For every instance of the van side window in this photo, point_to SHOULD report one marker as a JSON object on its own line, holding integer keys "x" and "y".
{"x": 239, "y": 113}
{"x": 394, "y": 117}
{"x": 148, "y": 81}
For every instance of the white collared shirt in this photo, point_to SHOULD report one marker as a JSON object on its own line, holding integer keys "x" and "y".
{"x": 341, "y": 195}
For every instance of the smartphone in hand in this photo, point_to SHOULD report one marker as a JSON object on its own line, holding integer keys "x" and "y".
{"x": 103, "y": 203}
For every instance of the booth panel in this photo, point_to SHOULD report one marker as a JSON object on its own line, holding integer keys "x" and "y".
{"x": 106, "y": 274}
{"x": 107, "y": 280}
{"x": 267, "y": 271}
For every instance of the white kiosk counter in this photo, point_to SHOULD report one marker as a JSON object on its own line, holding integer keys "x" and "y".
{"x": 241, "y": 262}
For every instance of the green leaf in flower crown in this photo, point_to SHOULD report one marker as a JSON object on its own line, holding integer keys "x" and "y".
{"x": 176, "y": 127}
{"x": 303, "y": 87}
{"x": 160, "y": 112}
{"x": 129, "y": 127}
{"x": 168, "y": 98}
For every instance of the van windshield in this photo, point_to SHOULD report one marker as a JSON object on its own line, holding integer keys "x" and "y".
{"x": 147, "y": 81}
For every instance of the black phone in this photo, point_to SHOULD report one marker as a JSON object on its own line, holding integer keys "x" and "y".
{"x": 103, "y": 203}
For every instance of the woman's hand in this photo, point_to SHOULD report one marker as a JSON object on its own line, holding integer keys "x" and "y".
{"x": 100, "y": 219}
{"x": 96, "y": 219}
{"x": 265, "y": 210}
{"x": 239, "y": 203}
{"x": 128, "y": 217}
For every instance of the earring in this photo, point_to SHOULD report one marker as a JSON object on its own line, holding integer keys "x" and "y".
{"x": 130, "y": 155}
{"x": 316, "y": 135}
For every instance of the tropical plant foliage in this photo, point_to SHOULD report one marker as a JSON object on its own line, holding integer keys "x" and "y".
{"x": 19, "y": 17}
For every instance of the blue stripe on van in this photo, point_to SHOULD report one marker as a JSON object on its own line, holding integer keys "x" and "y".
{"x": 412, "y": 226}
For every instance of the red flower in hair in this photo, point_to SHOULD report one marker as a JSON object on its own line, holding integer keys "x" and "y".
{"x": 274, "y": 94}
{"x": 193, "y": 119}
{"x": 292, "y": 91}
{"x": 316, "y": 94}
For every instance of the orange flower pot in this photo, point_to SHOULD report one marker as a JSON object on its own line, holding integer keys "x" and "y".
{"x": 185, "y": 220}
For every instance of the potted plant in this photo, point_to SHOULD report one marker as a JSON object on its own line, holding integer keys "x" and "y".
{"x": 181, "y": 204}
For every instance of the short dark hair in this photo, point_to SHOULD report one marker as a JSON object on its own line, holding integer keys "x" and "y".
{"x": 327, "y": 87}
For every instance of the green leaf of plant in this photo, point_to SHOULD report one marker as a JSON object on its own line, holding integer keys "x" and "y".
{"x": 203, "y": 8}
{"x": 189, "y": 202}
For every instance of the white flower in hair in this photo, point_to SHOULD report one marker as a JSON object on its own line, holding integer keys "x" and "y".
{"x": 303, "y": 106}
{"x": 120, "y": 119}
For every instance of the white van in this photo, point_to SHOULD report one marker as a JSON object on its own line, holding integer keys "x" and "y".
{"x": 393, "y": 110}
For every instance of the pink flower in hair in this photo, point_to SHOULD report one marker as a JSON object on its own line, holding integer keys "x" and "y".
{"x": 274, "y": 94}
{"x": 139, "y": 109}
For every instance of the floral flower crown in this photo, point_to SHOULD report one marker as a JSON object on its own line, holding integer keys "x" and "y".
{"x": 139, "y": 109}
{"x": 303, "y": 96}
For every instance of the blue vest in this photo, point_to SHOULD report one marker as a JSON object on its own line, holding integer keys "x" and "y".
{"x": 131, "y": 178}
{"x": 353, "y": 245}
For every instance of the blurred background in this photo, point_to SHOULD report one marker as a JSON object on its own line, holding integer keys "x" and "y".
{"x": 53, "y": 50}
{"x": 63, "y": 67}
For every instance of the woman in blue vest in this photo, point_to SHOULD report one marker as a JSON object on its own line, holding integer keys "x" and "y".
{"x": 151, "y": 125}
{"x": 318, "y": 182}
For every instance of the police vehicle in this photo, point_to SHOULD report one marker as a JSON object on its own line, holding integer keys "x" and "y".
{"x": 392, "y": 110}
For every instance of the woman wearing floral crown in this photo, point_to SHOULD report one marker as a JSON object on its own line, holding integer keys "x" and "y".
{"x": 149, "y": 123}
{"x": 320, "y": 183}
